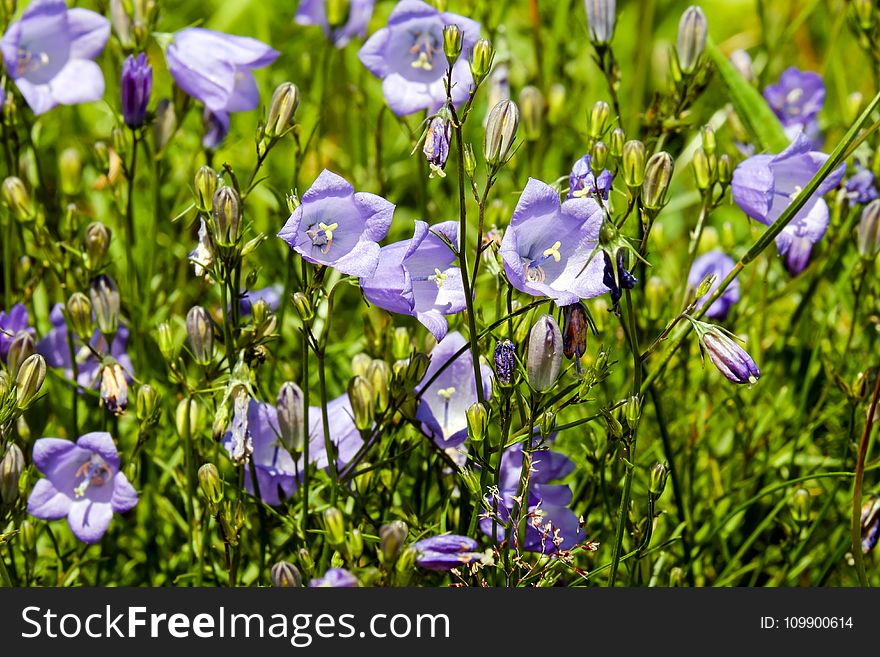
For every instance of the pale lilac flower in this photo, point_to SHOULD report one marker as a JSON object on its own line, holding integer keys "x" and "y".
{"x": 216, "y": 127}
{"x": 720, "y": 265}
{"x": 216, "y": 68}
{"x": 446, "y": 552}
{"x": 54, "y": 348}
{"x": 49, "y": 53}
{"x": 861, "y": 187}
{"x": 796, "y": 100}
{"x": 732, "y": 361}
{"x": 338, "y": 578}
{"x": 583, "y": 182}
{"x": 549, "y": 249}
{"x": 11, "y": 324}
{"x": 314, "y": 12}
{"x": 418, "y": 277}
{"x": 436, "y": 147}
{"x": 276, "y": 471}
{"x": 337, "y": 227}
{"x": 408, "y": 57}
{"x": 443, "y": 404}
{"x": 135, "y": 88}
{"x": 83, "y": 483}
{"x": 551, "y": 525}
{"x": 271, "y": 295}
{"x": 764, "y": 185}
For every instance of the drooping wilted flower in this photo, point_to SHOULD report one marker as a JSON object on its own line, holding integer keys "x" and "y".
{"x": 217, "y": 69}
{"x": 11, "y": 324}
{"x": 731, "y": 360}
{"x": 718, "y": 264}
{"x": 437, "y": 138}
{"x": 83, "y": 483}
{"x": 335, "y": 226}
{"x": 447, "y": 552}
{"x": 202, "y": 257}
{"x": 114, "y": 388}
{"x": 547, "y": 249}
{"x": 338, "y": 578}
{"x": 764, "y": 185}
{"x": 418, "y": 277}
{"x": 617, "y": 277}
{"x": 339, "y": 30}
{"x": 49, "y": 53}
{"x": 583, "y": 182}
{"x": 443, "y": 404}
{"x": 136, "y": 85}
{"x": 796, "y": 100}
{"x": 575, "y": 328}
{"x": 550, "y": 525}
{"x": 407, "y": 55}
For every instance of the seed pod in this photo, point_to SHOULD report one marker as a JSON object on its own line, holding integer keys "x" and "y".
{"x": 600, "y": 20}
{"x": 451, "y": 43}
{"x": 29, "y": 380}
{"x": 210, "y": 483}
{"x": 282, "y": 109}
{"x": 205, "y": 184}
{"x": 544, "y": 354}
{"x": 658, "y": 174}
{"x": 691, "y": 41}
{"x": 634, "y": 154}
{"x": 501, "y": 129}
{"x": 285, "y": 575}
{"x": 290, "y": 409}
{"x": 531, "y": 104}
{"x": 481, "y": 60}
{"x": 11, "y": 468}
{"x": 200, "y": 334}
{"x": 105, "y": 303}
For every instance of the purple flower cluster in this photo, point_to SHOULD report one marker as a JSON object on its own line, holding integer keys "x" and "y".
{"x": 446, "y": 552}
{"x": 314, "y": 12}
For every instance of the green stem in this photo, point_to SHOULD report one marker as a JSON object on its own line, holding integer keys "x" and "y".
{"x": 856, "y": 524}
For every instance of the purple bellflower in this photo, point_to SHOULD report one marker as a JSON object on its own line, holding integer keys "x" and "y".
{"x": 276, "y": 471}
{"x": 443, "y": 404}
{"x": 720, "y": 265}
{"x": 583, "y": 182}
{"x": 550, "y": 525}
{"x": 407, "y": 56}
{"x": 54, "y": 348}
{"x": 418, "y": 277}
{"x": 314, "y": 12}
{"x": 446, "y": 552}
{"x": 49, "y": 53}
{"x": 549, "y": 249}
{"x": 337, "y": 578}
{"x": 797, "y": 100}
{"x": 216, "y": 127}
{"x": 764, "y": 185}
{"x": 271, "y": 295}
{"x": 217, "y": 69}
{"x": 337, "y": 227}
{"x": 861, "y": 188}
{"x": 11, "y": 324}
{"x": 83, "y": 483}
{"x": 732, "y": 361}
{"x": 137, "y": 83}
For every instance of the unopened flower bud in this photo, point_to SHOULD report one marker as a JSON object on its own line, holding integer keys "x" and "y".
{"x": 477, "y": 421}
{"x": 282, "y": 109}
{"x": 616, "y": 142}
{"x": 868, "y": 233}
{"x": 545, "y": 353}
{"x": 337, "y": 12}
{"x": 505, "y": 362}
{"x": 470, "y": 161}
{"x": 303, "y": 306}
{"x": 70, "y": 165}
{"x": 11, "y": 468}
{"x": 691, "y": 41}
{"x": 28, "y": 538}
{"x": 865, "y": 13}
{"x": 363, "y": 405}
{"x": 285, "y": 575}
{"x": 451, "y": 43}
{"x": 379, "y": 376}
{"x": 501, "y": 129}
{"x": 29, "y": 380}
{"x": 634, "y": 154}
{"x": 210, "y": 483}
{"x": 97, "y": 243}
{"x": 657, "y": 481}
{"x": 147, "y": 403}
{"x": 800, "y": 506}
{"x": 17, "y": 199}
{"x": 226, "y": 212}
{"x": 600, "y": 20}
{"x": 205, "y": 186}
{"x": 597, "y": 123}
{"x": 165, "y": 340}
{"x": 105, "y": 303}
{"x": 633, "y": 411}
{"x": 200, "y": 334}
{"x": 416, "y": 368}
{"x": 392, "y": 537}
{"x": 481, "y": 60}
{"x": 79, "y": 315}
{"x": 290, "y": 408}
{"x": 21, "y": 348}
{"x": 135, "y": 88}
{"x": 702, "y": 169}
{"x": 401, "y": 344}
{"x": 360, "y": 363}
{"x": 658, "y": 174}
{"x": 725, "y": 169}
{"x": 556, "y": 103}
{"x": 547, "y": 424}
{"x": 334, "y": 525}
{"x": 599, "y": 155}
{"x": 531, "y": 104}
{"x": 730, "y": 359}
{"x": 707, "y": 136}
{"x": 355, "y": 543}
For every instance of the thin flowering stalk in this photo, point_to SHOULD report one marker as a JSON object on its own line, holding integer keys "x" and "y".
{"x": 769, "y": 235}
{"x": 856, "y": 520}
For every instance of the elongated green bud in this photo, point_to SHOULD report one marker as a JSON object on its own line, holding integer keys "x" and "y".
{"x": 200, "y": 333}
{"x": 334, "y": 525}
{"x": 725, "y": 169}
{"x": 634, "y": 155}
{"x": 105, "y": 303}
{"x": 97, "y": 244}
{"x": 599, "y": 155}
{"x": 657, "y": 482}
{"x": 691, "y": 41}
{"x": 79, "y": 314}
{"x": 290, "y": 408}
{"x": 868, "y": 232}
{"x": 70, "y": 164}
{"x": 633, "y": 411}
{"x": 285, "y": 575}
{"x": 600, "y": 114}
{"x": 658, "y": 174}
{"x": 226, "y": 211}
{"x": 147, "y": 406}
{"x": 210, "y": 483}
{"x": 481, "y": 60}
{"x": 205, "y": 183}
{"x": 29, "y": 380}
{"x": 392, "y": 537}
{"x": 470, "y": 161}
{"x": 165, "y": 340}
{"x": 452, "y": 43}
{"x": 11, "y": 468}
{"x": 703, "y": 174}
{"x": 282, "y": 109}
{"x": 616, "y": 142}
{"x": 531, "y": 105}
{"x": 800, "y": 506}
{"x": 21, "y": 348}
{"x": 337, "y": 12}
{"x": 17, "y": 199}
{"x": 501, "y": 129}
{"x": 477, "y": 421}
{"x": 363, "y": 405}
{"x": 303, "y": 306}
{"x": 544, "y": 359}
{"x": 379, "y": 376}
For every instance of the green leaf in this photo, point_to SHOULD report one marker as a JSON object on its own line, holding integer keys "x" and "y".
{"x": 753, "y": 111}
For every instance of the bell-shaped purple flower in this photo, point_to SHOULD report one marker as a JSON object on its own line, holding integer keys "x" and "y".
{"x": 718, "y": 264}
{"x": 443, "y": 404}
{"x": 764, "y": 185}
{"x": 583, "y": 182}
{"x": 11, "y": 324}
{"x": 54, "y": 348}
{"x": 861, "y": 187}
{"x": 276, "y": 471}
{"x": 407, "y": 55}
{"x": 216, "y": 68}
{"x": 49, "y": 53}
{"x": 418, "y": 277}
{"x": 550, "y": 525}
{"x": 314, "y": 12}
{"x": 337, "y": 227}
{"x": 136, "y": 85}
{"x": 337, "y": 578}
{"x": 797, "y": 100}
{"x": 83, "y": 483}
{"x": 732, "y": 361}
{"x": 549, "y": 249}
{"x": 446, "y": 552}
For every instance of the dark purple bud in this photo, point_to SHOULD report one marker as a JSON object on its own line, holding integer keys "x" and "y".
{"x": 618, "y": 279}
{"x": 574, "y": 331}
{"x": 437, "y": 137}
{"x": 136, "y": 85}
{"x": 446, "y": 552}
{"x": 731, "y": 360}
{"x": 505, "y": 362}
